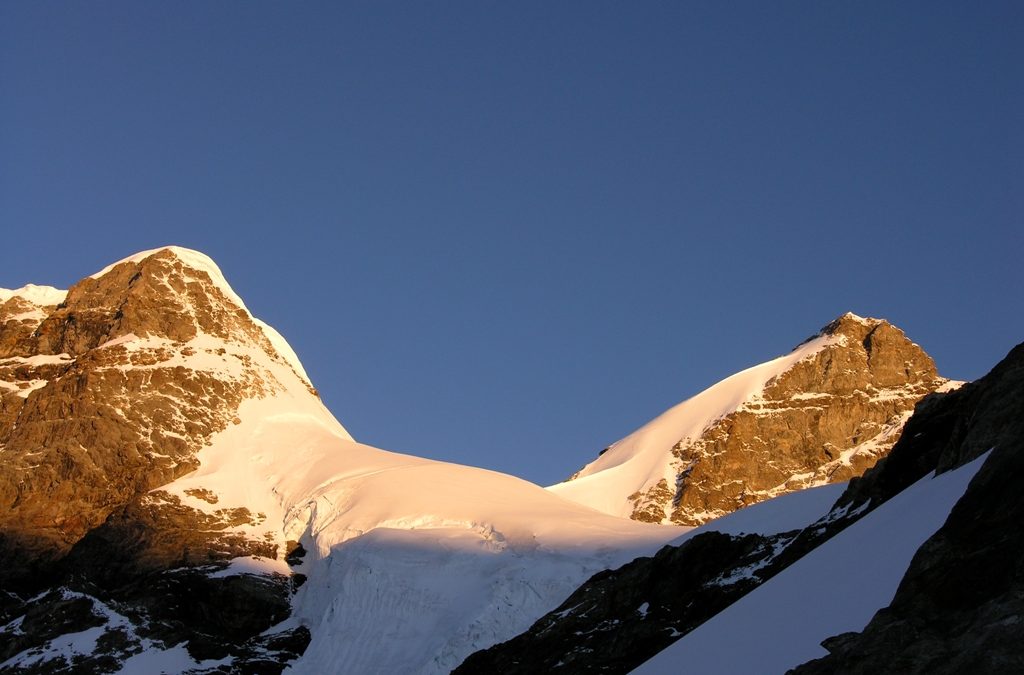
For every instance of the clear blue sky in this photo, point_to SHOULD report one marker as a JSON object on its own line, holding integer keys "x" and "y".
{"x": 506, "y": 234}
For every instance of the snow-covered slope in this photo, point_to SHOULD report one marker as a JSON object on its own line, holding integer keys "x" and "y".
{"x": 642, "y": 459}
{"x": 835, "y": 588}
{"x": 618, "y": 619}
{"x": 412, "y": 564}
{"x": 206, "y": 467}
{"x": 37, "y": 295}
{"x": 823, "y": 413}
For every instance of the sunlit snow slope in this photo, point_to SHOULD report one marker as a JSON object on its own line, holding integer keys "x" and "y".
{"x": 639, "y": 461}
{"x": 824, "y": 413}
{"x": 412, "y": 564}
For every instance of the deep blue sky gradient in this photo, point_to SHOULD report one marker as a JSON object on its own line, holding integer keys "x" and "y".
{"x": 506, "y": 234}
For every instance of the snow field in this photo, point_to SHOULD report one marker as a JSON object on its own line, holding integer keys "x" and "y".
{"x": 834, "y": 589}
{"x": 642, "y": 459}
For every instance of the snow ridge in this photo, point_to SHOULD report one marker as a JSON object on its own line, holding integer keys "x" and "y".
{"x": 43, "y": 296}
{"x": 411, "y": 564}
{"x": 202, "y": 262}
{"x": 642, "y": 459}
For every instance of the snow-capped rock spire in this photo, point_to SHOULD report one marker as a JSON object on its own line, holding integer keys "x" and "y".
{"x": 823, "y": 413}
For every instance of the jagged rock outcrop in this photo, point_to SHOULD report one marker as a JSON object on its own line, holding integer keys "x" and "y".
{"x": 827, "y": 419}
{"x": 105, "y": 396}
{"x": 822, "y": 415}
{"x": 956, "y": 610}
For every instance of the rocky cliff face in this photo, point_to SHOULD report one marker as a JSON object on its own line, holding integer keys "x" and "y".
{"x": 825, "y": 414}
{"x": 113, "y": 393}
{"x": 104, "y": 396}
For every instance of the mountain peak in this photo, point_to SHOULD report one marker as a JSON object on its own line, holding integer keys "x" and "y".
{"x": 188, "y": 258}
{"x": 40, "y": 296}
{"x": 117, "y": 388}
{"x": 851, "y": 324}
{"x": 168, "y": 294}
{"x": 823, "y": 413}
{"x": 191, "y": 284}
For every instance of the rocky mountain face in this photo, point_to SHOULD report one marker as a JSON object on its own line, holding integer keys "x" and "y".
{"x": 825, "y": 414}
{"x": 176, "y": 498}
{"x": 957, "y": 608}
{"x": 104, "y": 396}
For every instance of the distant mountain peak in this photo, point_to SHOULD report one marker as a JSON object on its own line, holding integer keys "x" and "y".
{"x": 823, "y": 413}
{"x": 41, "y": 296}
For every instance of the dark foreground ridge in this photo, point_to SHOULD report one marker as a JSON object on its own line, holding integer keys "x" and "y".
{"x": 957, "y": 610}
{"x": 960, "y": 606}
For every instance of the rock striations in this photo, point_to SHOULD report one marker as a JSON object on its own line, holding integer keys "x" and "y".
{"x": 823, "y": 414}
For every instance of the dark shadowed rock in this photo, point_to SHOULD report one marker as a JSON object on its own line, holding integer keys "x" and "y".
{"x": 619, "y": 617}
{"x": 958, "y": 609}
{"x": 960, "y": 606}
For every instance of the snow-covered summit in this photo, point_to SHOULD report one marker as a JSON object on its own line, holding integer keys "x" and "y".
{"x": 639, "y": 460}
{"x": 42, "y": 296}
{"x": 190, "y": 258}
{"x": 29, "y": 304}
{"x": 195, "y": 265}
{"x": 822, "y": 413}
{"x": 205, "y": 451}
